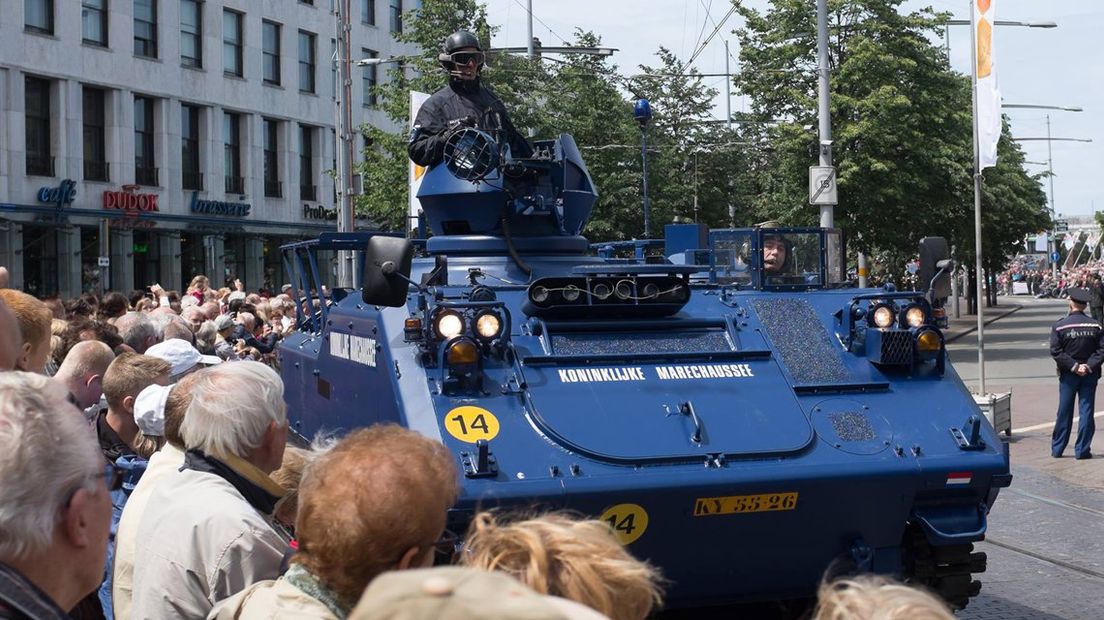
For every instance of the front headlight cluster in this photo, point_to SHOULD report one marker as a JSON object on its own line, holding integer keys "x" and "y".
{"x": 485, "y": 325}
{"x": 885, "y": 315}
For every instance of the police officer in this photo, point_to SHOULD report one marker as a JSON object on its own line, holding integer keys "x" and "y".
{"x": 464, "y": 102}
{"x": 1077, "y": 346}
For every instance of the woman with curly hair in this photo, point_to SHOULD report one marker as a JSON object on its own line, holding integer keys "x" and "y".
{"x": 566, "y": 556}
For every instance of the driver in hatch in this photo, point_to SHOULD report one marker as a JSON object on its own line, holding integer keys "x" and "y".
{"x": 777, "y": 258}
{"x": 464, "y": 102}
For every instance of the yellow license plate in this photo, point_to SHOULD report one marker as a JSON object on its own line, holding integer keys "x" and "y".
{"x": 740, "y": 504}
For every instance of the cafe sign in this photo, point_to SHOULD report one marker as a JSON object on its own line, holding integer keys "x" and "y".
{"x": 63, "y": 194}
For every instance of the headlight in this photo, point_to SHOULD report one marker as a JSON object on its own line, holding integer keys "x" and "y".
{"x": 915, "y": 316}
{"x": 601, "y": 290}
{"x": 462, "y": 353}
{"x": 883, "y": 316}
{"x": 448, "y": 324}
{"x": 539, "y": 294}
{"x": 571, "y": 292}
{"x": 488, "y": 325}
{"x": 927, "y": 341}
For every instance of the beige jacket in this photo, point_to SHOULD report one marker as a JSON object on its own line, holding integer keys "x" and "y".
{"x": 199, "y": 541}
{"x": 271, "y": 599}
{"x": 163, "y": 462}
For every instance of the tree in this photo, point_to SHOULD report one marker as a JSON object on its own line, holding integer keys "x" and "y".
{"x": 901, "y": 125}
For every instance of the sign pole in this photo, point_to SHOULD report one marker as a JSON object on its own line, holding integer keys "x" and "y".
{"x": 977, "y": 206}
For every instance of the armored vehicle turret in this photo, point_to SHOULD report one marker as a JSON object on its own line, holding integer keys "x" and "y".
{"x": 739, "y": 414}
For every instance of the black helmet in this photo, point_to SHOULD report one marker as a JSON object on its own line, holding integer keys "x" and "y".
{"x": 459, "y": 40}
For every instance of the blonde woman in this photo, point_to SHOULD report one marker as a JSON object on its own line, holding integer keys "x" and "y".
{"x": 872, "y": 597}
{"x": 566, "y": 556}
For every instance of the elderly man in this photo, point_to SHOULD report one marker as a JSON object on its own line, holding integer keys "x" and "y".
{"x": 205, "y": 533}
{"x": 194, "y": 316}
{"x": 183, "y": 357}
{"x": 137, "y": 331}
{"x": 160, "y": 413}
{"x": 82, "y": 372}
{"x": 34, "y": 320}
{"x": 57, "y": 508}
{"x": 395, "y": 486}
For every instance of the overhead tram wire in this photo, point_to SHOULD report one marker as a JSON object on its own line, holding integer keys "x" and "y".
{"x": 708, "y": 39}
{"x": 705, "y": 22}
{"x": 715, "y": 25}
{"x": 541, "y": 22}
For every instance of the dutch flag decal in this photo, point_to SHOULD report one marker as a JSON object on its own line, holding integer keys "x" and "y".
{"x": 959, "y": 478}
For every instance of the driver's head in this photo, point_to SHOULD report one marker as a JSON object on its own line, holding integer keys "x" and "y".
{"x": 774, "y": 254}
{"x": 462, "y": 55}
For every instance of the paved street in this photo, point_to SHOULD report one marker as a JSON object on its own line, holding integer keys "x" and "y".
{"x": 1046, "y": 552}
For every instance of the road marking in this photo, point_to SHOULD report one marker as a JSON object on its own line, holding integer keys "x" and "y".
{"x": 1039, "y": 427}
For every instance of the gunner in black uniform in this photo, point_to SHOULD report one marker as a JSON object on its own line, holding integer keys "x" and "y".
{"x": 1077, "y": 346}
{"x": 464, "y": 102}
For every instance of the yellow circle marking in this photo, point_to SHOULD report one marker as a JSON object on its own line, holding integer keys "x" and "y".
{"x": 471, "y": 424}
{"x": 629, "y": 521}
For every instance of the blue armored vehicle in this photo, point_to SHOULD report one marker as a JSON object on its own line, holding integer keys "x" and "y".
{"x": 740, "y": 415}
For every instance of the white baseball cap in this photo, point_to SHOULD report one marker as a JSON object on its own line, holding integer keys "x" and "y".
{"x": 149, "y": 409}
{"x": 182, "y": 355}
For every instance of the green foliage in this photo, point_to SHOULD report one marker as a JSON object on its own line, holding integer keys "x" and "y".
{"x": 901, "y": 128}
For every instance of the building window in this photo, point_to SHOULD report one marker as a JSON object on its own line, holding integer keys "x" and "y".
{"x": 306, "y": 62}
{"x": 232, "y": 43}
{"x": 94, "y": 22}
{"x": 231, "y": 138}
{"x": 369, "y": 78}
{"x": 95, "y": 151}
{"x": 145, "y": 28}
{"x": 307, "y": 190}
{"x": 189, "y": 147}
{"x": 368, "y": 12}
{"x": 396, "y": 15}
{"x": 36, "y": 94}
{"x": 191, "y": 33}
{"x": 145, "y": 163}
{"x": 271, "y": 49}
{"x": 38, "y": 16}
{"x": 271, "y": 159}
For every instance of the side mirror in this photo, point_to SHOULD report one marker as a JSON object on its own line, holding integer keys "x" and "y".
{"x": 387, "y": 271}
{"x": 935, "y": 266}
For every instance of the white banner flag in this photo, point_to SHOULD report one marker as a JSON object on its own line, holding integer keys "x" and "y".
{"x": 415, "y": 171}
{"x": 985, "y": 81}
{"x": 1069, "y": 242}
{"x": 1040, "y": 243}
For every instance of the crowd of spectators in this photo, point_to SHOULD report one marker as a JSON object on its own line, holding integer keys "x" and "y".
{"x": 145, "y": 472}
{"x": 1024, "y": 277}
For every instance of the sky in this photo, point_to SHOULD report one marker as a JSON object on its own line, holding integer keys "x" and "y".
{"x": 1063, "y": 66}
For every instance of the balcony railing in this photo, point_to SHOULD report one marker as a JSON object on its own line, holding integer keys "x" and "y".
{"x": 308, "y": 192}
{"x": 274, "y": 189}
{"x": 97, "y": 171}
{"x": 235, "y": 185}
{"x": 40, "y": 165}
{"x": 193, "y": 181}
{"x": 146, "y": 175}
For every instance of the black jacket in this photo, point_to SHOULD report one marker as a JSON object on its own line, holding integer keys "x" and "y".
{"x": 1077, "y": 339}
{"x": 469, "y": 102}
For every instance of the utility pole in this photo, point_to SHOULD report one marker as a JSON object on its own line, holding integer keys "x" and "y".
{"x": 529, "y": 40}
{"x": 346, "y": 267}
{"x": 977, "y": 203}
{"x": 827, "y": 212}
{"x": 728, "y": 91}
{"x": 1053, "y": 211}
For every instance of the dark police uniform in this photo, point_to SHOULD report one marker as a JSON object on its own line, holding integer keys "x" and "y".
{"x": 1074, "y": 340}
{"x": 461, "y": 101}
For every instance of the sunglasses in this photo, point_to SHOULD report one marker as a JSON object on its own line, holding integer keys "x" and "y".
{"x": 463, "y": 58}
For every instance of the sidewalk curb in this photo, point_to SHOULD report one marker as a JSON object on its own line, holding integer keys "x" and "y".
{"x": 1014, "y": 308}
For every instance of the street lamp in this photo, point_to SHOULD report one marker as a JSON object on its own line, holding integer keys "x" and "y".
{"x": 1050, "y": 168}
{"x": 996, "y": 22}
